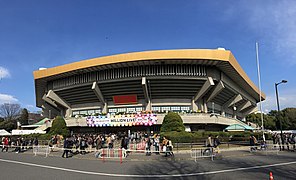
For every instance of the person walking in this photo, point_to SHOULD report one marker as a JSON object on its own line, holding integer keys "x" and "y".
{"x": 164, "y": 146}
{"x": 5, "y": 144}
{"x": 253, "y": 142}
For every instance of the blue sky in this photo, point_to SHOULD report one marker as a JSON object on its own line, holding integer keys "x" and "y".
{"x": 49, "y": 33}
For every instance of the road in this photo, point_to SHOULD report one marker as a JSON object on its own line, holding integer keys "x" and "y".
{"x": 229, "y": 165}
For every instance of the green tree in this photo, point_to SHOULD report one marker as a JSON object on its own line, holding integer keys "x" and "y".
{"x": 59, "y": 127}
{"x": 269, "y": 121}
{"x": 172, "y": 122}
{"x": 289, "y": 118}
{"x": 24, "y": 116}
{"x": 254, "y": 118}
{"x": 8, "y": 125}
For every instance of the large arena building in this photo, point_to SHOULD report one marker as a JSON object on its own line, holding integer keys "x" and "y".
{"x": 135, "y": 90}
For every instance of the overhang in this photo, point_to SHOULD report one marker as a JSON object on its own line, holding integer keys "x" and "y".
{"x": 222, "y": 59}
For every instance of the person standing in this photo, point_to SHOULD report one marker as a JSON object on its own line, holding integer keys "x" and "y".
{"x": 66, "y": 146}
{"x": 156, "y": 143}
{"x": 148, "y": 146}
{"x": 209, "y": 145}
{"x": 217, "y": 143}
{"x": 170, "y": 148}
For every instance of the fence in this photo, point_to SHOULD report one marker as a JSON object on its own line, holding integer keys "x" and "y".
{"x": 41, "y": 150}
{"x": 203, "y": 152}
{"x": 267, "y": 148}
{"x": 111, "y": 153}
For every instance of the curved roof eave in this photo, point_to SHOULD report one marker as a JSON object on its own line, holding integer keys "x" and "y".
{"x": 205, "y": 54}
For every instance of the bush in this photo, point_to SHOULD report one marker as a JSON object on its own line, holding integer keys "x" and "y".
{"x": 59, "y": 127}
{"x": 197, "y": 136}
{"x": 172, "y": 122}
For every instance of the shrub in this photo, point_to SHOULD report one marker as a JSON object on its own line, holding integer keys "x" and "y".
{"x": 172, "y": 122}
{"x": 59, "y": 127}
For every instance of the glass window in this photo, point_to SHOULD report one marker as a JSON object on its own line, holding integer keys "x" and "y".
{"x": 112, "y": 110}
{"x": 121, "y": 110}
{"x": 165, "y": 108}
{"x": 139, "y": 109}
{"x": 175, "y": 108}
{"x": 157, "y": 109}
{"x": 130, "y": 109}
{"x": 75, "y": 113}
{"x": 83, "y": 112}
{"x": 185, "y": 108}
{"x": 90, "y": 112}
{"x": 97, "y": 111}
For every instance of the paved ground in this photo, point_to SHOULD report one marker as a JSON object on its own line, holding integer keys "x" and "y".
{"x": 229, "y": 165}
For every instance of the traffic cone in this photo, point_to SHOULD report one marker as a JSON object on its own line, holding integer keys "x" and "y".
{"x": 270, "y": 176}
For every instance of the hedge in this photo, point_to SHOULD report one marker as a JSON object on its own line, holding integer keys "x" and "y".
{"x": 197, "y": 136}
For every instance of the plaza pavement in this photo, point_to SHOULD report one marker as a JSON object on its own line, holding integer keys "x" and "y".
{"x": 238, "y": 164}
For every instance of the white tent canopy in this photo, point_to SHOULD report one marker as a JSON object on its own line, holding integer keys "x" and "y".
{"x": 3, "y": 132}
{"x": 25, "y": 132}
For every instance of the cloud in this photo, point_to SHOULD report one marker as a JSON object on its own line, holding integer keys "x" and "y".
{"x": 4, "y": 73}
{"x": 272, "y": 22}
{"x": 276, "y": 23}
{"x": 5, "y": 98}
{"x": 286, "y": 100}
{"x": 29, "y": 106}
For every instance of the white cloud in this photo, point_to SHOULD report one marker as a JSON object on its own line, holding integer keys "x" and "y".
{"x": 272, "y": 22}
{"x": 4, "y": 73}
{"x": 5, "y": 98}
{"x": 32, "y": 108}
{"x": 286, "y": 100}
{"x": 276, "y": 23}
{"x": 29, "y": 106}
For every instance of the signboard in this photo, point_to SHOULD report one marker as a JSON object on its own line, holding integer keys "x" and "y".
{"x": 125, "y": 99}
{"x": 122, "y": 120}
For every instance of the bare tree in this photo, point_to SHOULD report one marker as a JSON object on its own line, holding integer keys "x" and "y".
{"x": 10, "y": 111}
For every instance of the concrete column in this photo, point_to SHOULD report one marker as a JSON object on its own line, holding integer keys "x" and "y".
{"x": 205, "y": 107}
{"x": 204, "y": 89}
{"x": 194, "y": 106}
{"x": 105, "y": 108}
{"x": 54, "y": 97}
{"x": 145, "y": 90}
{"x": 98, "y": 92}
{"x": 222, "y": 111}
{"x": 148, "y": 106}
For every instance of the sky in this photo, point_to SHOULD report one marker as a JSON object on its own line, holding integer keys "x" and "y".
{"x": 50, "y": 33}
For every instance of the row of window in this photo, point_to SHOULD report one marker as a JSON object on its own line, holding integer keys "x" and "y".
{"x": 133, "y": 110}
{"x": 87, "y": 112}
{"x": 134, "y": 71}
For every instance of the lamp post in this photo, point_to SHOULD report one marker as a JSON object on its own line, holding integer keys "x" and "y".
{"x": 150, "y": 105}
{"x": 278, "y": 107}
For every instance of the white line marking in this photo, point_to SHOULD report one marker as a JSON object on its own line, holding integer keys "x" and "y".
{"x": 147, "y": 176}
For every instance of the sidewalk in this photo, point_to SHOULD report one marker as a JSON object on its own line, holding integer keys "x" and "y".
{"x": 181, "y": 155}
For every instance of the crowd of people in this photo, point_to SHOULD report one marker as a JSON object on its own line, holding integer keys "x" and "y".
{"x": 19, "y": 144}
{"x": 288, "y": 140}
{"x": 150, "y": 143}
{"x": 84, "y": 143}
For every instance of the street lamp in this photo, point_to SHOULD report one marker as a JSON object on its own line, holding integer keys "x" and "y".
{"x": 278, "y": 106}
